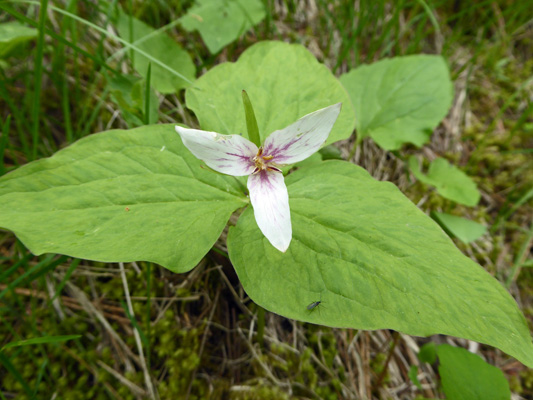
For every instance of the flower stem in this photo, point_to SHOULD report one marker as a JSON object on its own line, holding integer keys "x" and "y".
{"x": 251, "y": 122}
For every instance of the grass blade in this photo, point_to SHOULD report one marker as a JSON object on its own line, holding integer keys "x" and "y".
{"x": 3, "y": 143}
{"x": 63, "y": 282}
{"x": 40, "y": 340}
{"x": 38, "y": 270}
{"x": 13, "y": 371}
{"x": 39, "y": 377}
{"x": 38, "y": 78}
{"x": 147, "y": 95}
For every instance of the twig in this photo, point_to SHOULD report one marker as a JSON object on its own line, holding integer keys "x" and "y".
{"x": 92, "y": 371}
{"x": 136, "y": 390}
{"x": 202, "y": 345}
{"x": 520, "y": 258}
{"x": 147, "y": 379}
{"x": 262, "y": 364}
{"x": 72, "y": 303}
{"x": 89, "y": 307}
{"x": 396, "y": 336}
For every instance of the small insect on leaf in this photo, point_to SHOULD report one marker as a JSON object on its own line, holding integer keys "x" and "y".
{"x": 313, "y": 305}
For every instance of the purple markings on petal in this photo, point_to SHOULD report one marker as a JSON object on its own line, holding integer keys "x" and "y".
{"x": 243, "y": 155}
{"x": 302, "y": 138}
{"x": 228, "y": 154}
{"x": 285, "y": 153}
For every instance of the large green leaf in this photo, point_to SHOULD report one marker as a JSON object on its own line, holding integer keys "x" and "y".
{"x": 284, "y": 82}
{"x": 400, "y": 100}
{"x": 376, "y": 262}
{"x": 449, "y": 180}
{"x": 120, "y": 196}
{"x": 221, "y": 22}
{"x": 465, "y": 376}
{"x": 162, "y": 48}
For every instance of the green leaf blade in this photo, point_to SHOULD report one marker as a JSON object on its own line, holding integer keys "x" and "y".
{"x": 251, "y": 122}
{"x": 164, "y": 49}
{"x": 465, "y": 376}
{"x": 400, "y": 100}
{"x": 13, "y": 37}
{"x": 127, "y": 93}
{"x": 221, "y": 22}
{"x": 449, "y": 181}
{"x": 376, "y": 262}
{"x": 40, "y": 340}
{"x": 121, "y": 196}
{"x": 284, "y": 83}
{"x": 463, "y": 229}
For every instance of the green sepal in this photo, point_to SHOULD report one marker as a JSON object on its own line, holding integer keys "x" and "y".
{"x": 251, "y": 122}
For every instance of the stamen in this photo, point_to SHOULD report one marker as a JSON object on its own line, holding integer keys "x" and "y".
{"x": 261, "y": 162}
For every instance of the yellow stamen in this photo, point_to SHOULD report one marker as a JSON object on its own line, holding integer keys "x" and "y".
{"x": 261, "y": 162}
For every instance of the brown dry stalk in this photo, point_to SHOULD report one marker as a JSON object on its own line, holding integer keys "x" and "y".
{"x": 109, "y": 311}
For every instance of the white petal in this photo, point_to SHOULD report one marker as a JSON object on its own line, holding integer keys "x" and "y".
{"x": 270, "y": 200}
{"x": 303, "y": 138}
{"x": 229, "y": 154}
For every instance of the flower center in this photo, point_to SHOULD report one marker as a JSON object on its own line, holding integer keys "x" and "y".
{"x": 263, "y": 162}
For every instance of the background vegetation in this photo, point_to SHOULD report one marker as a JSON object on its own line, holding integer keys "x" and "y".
{"x": 197, "y": 330}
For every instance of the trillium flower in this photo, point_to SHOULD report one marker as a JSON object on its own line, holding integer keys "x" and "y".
{"x": 237, "y": 156}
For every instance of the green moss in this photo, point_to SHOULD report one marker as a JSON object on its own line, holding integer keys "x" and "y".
{"x": 260, "y": 392}
{"x": 527, "y": 379}
{"x": 378, "y": 363}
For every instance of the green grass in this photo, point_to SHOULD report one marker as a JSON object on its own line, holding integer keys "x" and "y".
{"x": 55, "y": 91}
